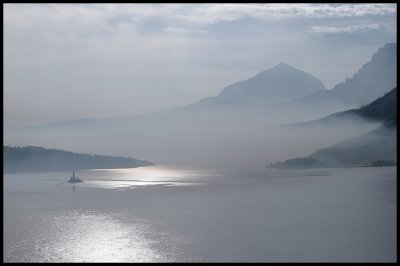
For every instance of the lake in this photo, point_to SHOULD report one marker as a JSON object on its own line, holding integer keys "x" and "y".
{"x": 171, "y": 214}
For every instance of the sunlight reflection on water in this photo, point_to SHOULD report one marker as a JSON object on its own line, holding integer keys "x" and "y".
{"x": 127, "y": 178}
{"x": 85, "y": 236}
{"x": 150, "y": 173}
{"x": 51, "y": 232}
{"x": 115, "y": 184}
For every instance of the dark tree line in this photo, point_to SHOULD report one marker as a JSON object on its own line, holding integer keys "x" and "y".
{"x": 37, "y": 159}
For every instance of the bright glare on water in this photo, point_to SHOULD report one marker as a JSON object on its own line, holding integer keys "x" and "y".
{"x": 84, "y": 236}
{"x": 143, "y": 176}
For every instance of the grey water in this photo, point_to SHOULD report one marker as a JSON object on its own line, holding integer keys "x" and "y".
{"x": 170, "y": 214}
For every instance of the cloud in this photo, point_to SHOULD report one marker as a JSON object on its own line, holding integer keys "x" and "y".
{"x": 348, "y": 28}
{"x": 179, "y": 31}
{"x": 212, "y": 13}
{"x": 192, "y": 13}
{"x": 76, "y": 21}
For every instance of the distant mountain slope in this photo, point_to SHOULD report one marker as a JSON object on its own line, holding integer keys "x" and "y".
{"x": 282, "y": 89}
{"x": 379, "y": 144}
{"x": 279, "y": 83}
{"x": 240, "y": 101}
{"x": 285, "y": 89}
{"x": 37, "y": 159}
{"x": 381, "y": 109}
{"x": 373, "y": 80}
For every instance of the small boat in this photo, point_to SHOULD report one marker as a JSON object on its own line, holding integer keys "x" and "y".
{"x": 74, "y": 179}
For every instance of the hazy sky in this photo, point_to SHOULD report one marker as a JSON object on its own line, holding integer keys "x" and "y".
{"x": 70, "y": 61}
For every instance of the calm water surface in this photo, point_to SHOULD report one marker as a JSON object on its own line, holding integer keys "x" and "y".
{"x": 164, "y": 214}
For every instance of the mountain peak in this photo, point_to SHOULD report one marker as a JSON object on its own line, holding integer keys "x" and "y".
{"x": 279, "y": 83}
{"x": 373, "y": 79}
{"x": 283, "y": 65}
{"x": 281, "y": 69}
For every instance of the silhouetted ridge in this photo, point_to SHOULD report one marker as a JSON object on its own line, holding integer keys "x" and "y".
{"x": 37, "y": 159}
{"x": 384, "y": 108}
{"x": 381, "y": 109}
{"x": 372, "y": 80}
{"x": 375, "y": 148}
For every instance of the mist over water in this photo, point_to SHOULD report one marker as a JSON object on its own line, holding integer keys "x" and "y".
{"x": 223, "y": 138}
{"x": 251, "y": 122}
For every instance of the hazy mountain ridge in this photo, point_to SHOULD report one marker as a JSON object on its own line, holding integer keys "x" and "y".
{"x": 227, "y": 129}
{"x": 379, "y": 144}
{"x": 374, "y": 78}
{"x": 243, "y": 100}
{"x": 381, "y": 109}
{"x": 279, "y": 83}
{"x": 251, "y": 97}
{"x": 38, "y": 159}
